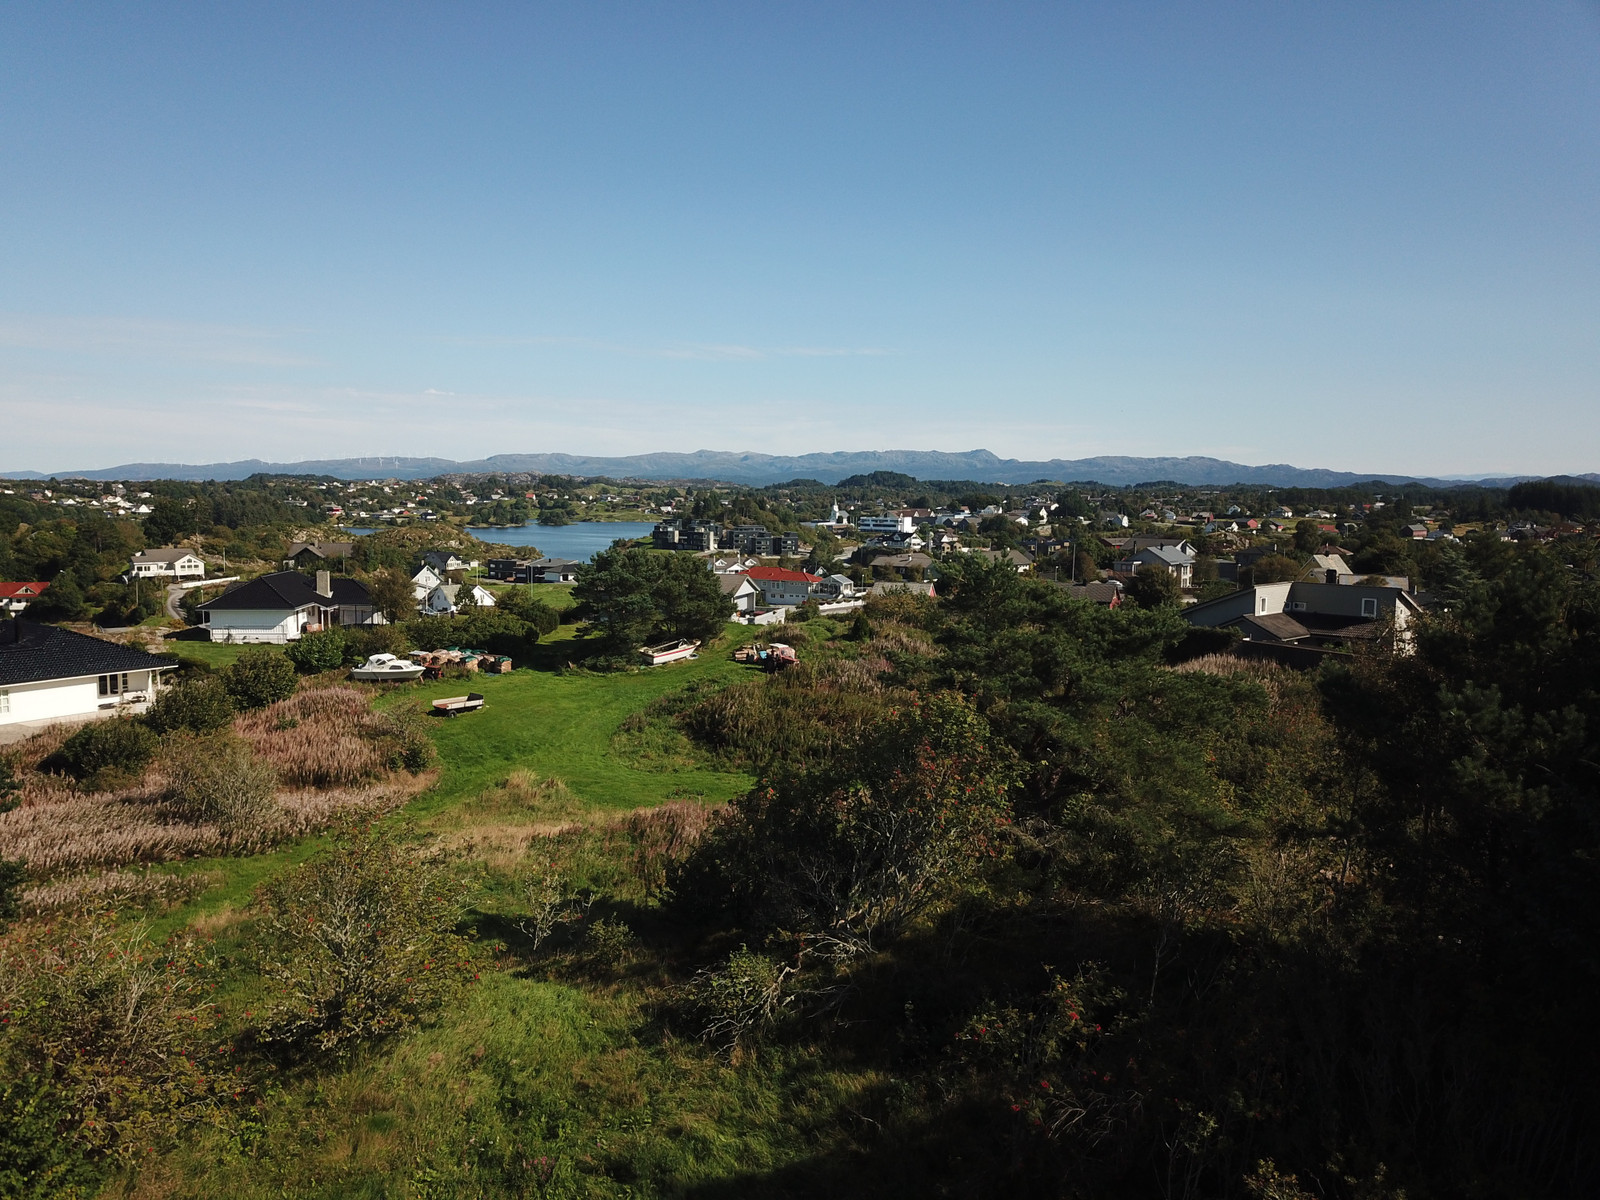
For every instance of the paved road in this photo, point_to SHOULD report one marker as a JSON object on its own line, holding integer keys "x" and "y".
{"x": 174, "y": 593}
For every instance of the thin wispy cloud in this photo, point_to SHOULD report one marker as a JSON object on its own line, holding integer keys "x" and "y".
{"x": 682, "y": 351}
{"x": 174, "y": 341}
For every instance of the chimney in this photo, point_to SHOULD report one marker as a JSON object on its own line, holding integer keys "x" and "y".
{"x": 324, "y": 584}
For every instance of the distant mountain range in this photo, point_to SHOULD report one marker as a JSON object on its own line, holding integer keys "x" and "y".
{"x": 757, "y": 469}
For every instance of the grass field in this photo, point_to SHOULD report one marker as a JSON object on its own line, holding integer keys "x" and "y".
{"x": 560, "y": 726}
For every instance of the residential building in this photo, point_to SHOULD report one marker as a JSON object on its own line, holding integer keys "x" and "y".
{"x": 782, "y": 588}
{"x": 449, "y": 597}
{"x": 1320, "y": 611}
{"x": 284, "y": 606}
{"x": 755, "y": 539}
{"x": 509, "y": 570}
{"x": 554, "y": 570}
{"x": 889, "y": 523}
{"x": 14, "y": 597}
{"x": 1160, "y": 558}
{"x": 685, "y": 533}
{"x": 424, "y": 581}
{"x": 746, "y": 596}
{"x": 168, "y": 562}
{"x": 443, "y": 561}
{"x": 1328, "y": 568}
{"x": 50, "y": 674}
{"x": 310, "y": 555}
{"x": 902, "y": 566}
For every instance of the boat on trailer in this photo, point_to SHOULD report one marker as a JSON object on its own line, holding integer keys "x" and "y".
{"x": 450, "y": 706}
{"x": 386, "y": 668}
{"x": 669, "y": 652}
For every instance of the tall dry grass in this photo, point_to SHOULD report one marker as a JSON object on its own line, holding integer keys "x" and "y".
{"x": 78, "y": 832}
{"x": 1230, "y": 664}
{"x": 331, "y": 755}
{"x": 107, "y": 890}
{"x": 319, "y": 738}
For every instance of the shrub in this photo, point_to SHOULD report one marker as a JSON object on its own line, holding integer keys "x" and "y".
{"x": 108, "y": 1035}
{"x": 103, "y": 750}
{"x": 610, "y": 941}
{"x": 411, "y": 748}
{"x": 853, "y": 852}
{"x": 524, "y": 603}
{"x": 258, "y": 678}
{"x": 219, "y": 779}
{"x": 317, "y": 652}
{"x": 738, "y": 1000}
{"x": 362, "y": 943}
{"x": 810, "y": 610}
{"x": 199, "y": 705}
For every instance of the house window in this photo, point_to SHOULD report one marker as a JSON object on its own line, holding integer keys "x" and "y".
{"x": 108, "y": 685}
{"x": 5, "y": 701}
{"x": 1369, "y": 606}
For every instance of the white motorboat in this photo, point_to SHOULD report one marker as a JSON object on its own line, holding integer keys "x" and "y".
{"x": 386, "y": 668}
{"x": 669, "y": 652}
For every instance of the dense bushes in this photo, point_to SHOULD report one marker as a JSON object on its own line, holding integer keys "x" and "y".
{"x": 218, "y": 779}
{"x": 107, "y": 1049}
{"x": 362, "y": 944}
{"x": 316, "y": 652}
{"x": 102, "y": 752}
{"x": 198, "y": 705}
{"x": 848, "y": 856}
{"x": 258, "y": 677}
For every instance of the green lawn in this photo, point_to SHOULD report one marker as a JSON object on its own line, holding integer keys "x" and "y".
{"x": 214, "y": 654}
{"x": 560, "y": 726}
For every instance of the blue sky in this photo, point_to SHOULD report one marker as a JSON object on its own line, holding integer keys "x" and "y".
{"x": 1361, "y": 236}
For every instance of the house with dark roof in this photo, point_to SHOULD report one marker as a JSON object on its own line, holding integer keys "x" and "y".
{"x": 443, "y": 561}
{"x": 171, "y": 562}
{"x": 309, "y": 555}
{"x": 1310, "y": 611}
{"x": 745, "y": 595}
{"x": 49, "y": 674}
{"x": 1170, "y": 559}
{"x": 284, "y": 606}
{"x": 1107, "y": 592}
{"x": 554, "y": 570}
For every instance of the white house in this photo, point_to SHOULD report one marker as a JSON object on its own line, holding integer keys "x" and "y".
{"x": 14, "y": 597}
{"x": 285, "y": 605}
{"x": 49, "y": 674}
{"x": 424, "y": 581}
{"x": 449, "y": 597}
{"x": 171, "y": 562}
{"x": 745, "y": 595}
{"x": 888, "y": 524}
{"x": 782, "y": 588}
{"x": 555, "y": 570}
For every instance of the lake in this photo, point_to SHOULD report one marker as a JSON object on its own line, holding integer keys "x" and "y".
{"x": 577, "y": 541}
